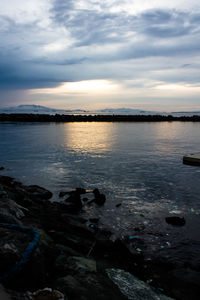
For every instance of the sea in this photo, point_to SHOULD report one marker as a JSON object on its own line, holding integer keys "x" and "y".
{"x": 138, "y": 166}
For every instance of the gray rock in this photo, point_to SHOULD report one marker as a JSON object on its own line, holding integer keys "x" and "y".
{"x": 79, "y": 263}
{"x": 35, "y": 192}
{"x": 176, "y": 221}
{"x": 71, "y": 287}
{"x": 6, "y": 217}
{"x": 3, "y": 294}
{"x": 132, "y": 287}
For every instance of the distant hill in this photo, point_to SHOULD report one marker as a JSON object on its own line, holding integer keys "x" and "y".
{"x": 128, "y": 111}
{"x": 39, "y": 109}
{"x": 31, "y": 108}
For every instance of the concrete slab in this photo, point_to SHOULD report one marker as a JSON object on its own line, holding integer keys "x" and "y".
{"x": 192, "y": 159}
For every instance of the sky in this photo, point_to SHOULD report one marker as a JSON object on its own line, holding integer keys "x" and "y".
{"x": 89, "y": 54}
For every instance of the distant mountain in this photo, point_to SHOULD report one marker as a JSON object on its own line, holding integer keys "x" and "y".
{"x": 132, "y": 111}
{"x": 128, "y": 111}
{"x": 27, "y": 108}
{"x": 39, "y": 109}
{"x": 123, "y": 109}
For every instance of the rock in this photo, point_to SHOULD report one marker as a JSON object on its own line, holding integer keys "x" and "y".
{"x": 176, "y": 221}
{"x": 96, "y": 192}
{"x": 71, "y": 287}
{"x": 75, "y": 202}
{"x": 80, "y": 190}
{"x": 132, "y": 287}
{"x": 6, "y": 180}
{"x": 89, "y": 286}
{"x": 35, "y": 192}
{"x": 66, "y": 264}
{"x": 99, "y": 198}
{"x": 12, "y": 207}
{"x": 119, "y": 204}
{"x": 79, "y": 244}
{"x": 85, "y": 199}
{"x": 82, "y": 264}
{"x": 12, "y": 245}
{"x": 3, "y": 294}
{"x": 66, "y": 251}
{"x": 6, "y": 217}
{"x": 47, "y": 294}
{"x": 94, "y": 220}
{"x": 62, "y": 194}
{"x": 2, "y": 168}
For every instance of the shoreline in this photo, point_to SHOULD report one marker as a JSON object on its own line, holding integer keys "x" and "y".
{"x": 95, "y": 118}
{"x": 74, "y": 253}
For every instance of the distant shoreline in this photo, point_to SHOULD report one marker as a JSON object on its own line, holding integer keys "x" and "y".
{"x": 94, "y": 118}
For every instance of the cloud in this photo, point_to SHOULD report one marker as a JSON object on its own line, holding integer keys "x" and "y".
{"x": 44, "y": 44}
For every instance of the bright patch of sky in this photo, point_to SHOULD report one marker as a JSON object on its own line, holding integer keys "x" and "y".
{"x": 88, "y": 53}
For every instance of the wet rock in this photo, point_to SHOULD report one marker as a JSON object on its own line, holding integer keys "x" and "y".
{"x": 99, "y": 198}
{"x": 62, "y": 194}
{"x": 77, "y": 243}
{"x": 82, "y": 264}
{"x": 47, "y": 294}
{"x": 6, "y": 180}
{"x": 12, "y": 207}
{"x": 85, "y": 199}
{"x": 89, "y": 286}
{"x": 75, "y": 202}
{"x": 176, "y": 221}
{"x": 66, "y": 251}
{"x": 96, "y": 192}
{"x": 94, "y": 220}
{"x": 71, "y": 287}
{"x": 35, "y": 192}
{"x": 80, "y": 190}
{"x": 2, "y": 168}
{"x": 3, "y": 294}
{"x": 7, "y": 217}
{"x": 132, "y": 287}
{"x": 12, "y": 245}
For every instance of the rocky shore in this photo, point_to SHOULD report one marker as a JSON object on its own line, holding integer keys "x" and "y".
{"x": 48, "y": 251}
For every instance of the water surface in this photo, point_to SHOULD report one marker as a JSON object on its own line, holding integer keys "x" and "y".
{"x": 136, "y": 164}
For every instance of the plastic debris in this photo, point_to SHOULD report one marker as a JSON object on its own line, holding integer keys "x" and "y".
{"x": 132, "y": 237}
{"x": 139, "y": 250}
{"x": 175, "y": 212}
{"x": 149, "y": 281}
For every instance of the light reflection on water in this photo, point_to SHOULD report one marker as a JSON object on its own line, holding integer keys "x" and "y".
{"x": 136, "y": 164}
{"x": 90, "y": 139}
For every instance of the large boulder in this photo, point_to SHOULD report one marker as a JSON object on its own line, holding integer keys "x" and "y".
{"x": 34, "y": 192}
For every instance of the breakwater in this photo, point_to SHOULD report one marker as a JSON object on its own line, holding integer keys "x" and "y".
{"x": 94, "y": 118}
